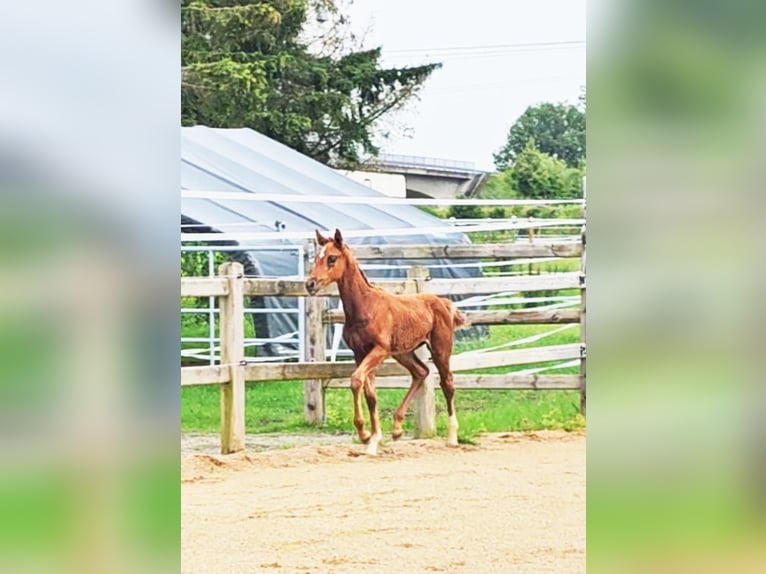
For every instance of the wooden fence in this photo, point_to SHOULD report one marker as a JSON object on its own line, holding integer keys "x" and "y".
{"x": 231, "y": 286}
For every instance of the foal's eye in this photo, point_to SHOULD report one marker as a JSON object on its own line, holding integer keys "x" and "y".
{"x": 331, "y": 259}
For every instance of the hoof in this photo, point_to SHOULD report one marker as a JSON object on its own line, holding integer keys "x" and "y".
{"x": 364, "y": 437}
{"x": 396, "y": 435}
{"x": 452, "y": 431}
{"x": 372, "y": 448}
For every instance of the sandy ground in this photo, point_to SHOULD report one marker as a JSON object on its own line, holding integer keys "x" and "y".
{"x": 515, "y": 503}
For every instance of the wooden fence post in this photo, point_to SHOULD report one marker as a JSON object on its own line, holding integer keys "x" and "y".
{"x": 424, "y": 405}
{"x": 313, "y": 346}
{"x": 232, "y": 329}
{"x": 313, "y": 389}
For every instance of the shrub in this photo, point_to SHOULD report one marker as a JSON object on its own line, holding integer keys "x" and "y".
{"x": 465, "y": 212}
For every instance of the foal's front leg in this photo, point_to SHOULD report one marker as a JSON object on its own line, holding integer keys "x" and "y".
{"x": 364, "y": 378}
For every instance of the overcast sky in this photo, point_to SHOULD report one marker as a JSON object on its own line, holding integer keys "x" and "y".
{"x": 487, "y": 79}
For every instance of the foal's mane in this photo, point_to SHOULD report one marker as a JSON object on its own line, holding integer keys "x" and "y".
{"x": 351, "y": 259}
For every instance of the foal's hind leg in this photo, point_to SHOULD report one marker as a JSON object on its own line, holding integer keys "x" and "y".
{"x": 419, "y": 372}
{"x": 441, "y": 350}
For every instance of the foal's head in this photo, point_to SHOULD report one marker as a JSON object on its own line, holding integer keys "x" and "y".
{"x": 329, "y": 264}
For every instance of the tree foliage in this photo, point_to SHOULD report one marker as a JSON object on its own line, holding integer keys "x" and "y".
{"x": 244, "y": 64}
{"x": 537, "y": 175}
{"x": 557, "y": 129}
{"x": 465, "y": 212}
{"x": 499, "y": 186}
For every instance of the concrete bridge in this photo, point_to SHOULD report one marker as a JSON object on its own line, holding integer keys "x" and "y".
{"x": 431, "y": 177}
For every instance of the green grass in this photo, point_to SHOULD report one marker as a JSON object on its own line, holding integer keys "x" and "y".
{"x": 500, "y": 334}
{"x": 278, "y": 406}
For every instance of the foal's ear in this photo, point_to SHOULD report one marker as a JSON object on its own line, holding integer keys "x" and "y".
{"x": 321, "y": 240}
{"x": 338, "y": 239}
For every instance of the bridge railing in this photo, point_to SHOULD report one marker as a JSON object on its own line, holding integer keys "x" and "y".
{"x": 421, "y": 161}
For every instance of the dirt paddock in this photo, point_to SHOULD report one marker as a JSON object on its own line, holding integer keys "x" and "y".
{"x": 515, "y": 503}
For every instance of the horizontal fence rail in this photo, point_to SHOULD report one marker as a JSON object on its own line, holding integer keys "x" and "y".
{"x": 469, "y": 251}
{"x": 444, "y": 287}
{"x": 236, "y": 370}
{"x": 508, "y": 381}
{"x": 216, "y": 375}
{"x": 498, "y": 225}
{"x": 216, "y": 287}
{"x": 498, "y": 317}
{"x": 343, "y": 369}
{"x": 204, "y": 287}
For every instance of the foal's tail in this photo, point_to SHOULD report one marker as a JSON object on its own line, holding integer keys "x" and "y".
{"x": 459, "y": 321}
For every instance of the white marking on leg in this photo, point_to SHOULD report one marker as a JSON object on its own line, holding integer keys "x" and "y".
{"x": 452, "y": 430}
{"x": 372, "y": 446}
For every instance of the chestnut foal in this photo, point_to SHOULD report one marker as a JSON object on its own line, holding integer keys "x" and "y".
{"x": 381, "y": 325}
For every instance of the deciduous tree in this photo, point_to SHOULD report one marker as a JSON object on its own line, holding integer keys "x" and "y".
{"x": 537, "y": 175}
{"x": 558, "y": 130}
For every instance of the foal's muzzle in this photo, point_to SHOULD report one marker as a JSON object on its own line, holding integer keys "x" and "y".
{"x": 312, "y": 286}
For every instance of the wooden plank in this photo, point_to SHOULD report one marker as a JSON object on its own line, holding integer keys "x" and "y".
{"x": 469, "y": 286}
{"x": 313, "y": 391}
{"x": 297, "y": 288}
{"x": 470, "y": 251}
{"x": 204, "y": 287}
{"x": 302, "y": 371}
{"x": 462, "y": 362}
{"x": 467, "y": 382}
{"x": 498, "y": 317}
{"x": 276, "y": 287}
{"x": 520, "y": 382}
{"x": 474, "y": 360}
{"x": 490, "y": 285}
{"x": 523, "y": 317}
{"x": 204, "y": 375}
{"x": 232, "y": 326}
{"x": 389, "y": 382}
